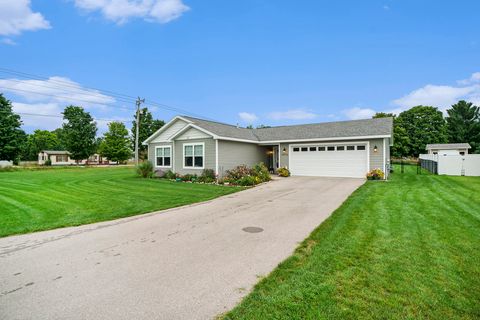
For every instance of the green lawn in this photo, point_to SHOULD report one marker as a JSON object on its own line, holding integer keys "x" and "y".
{"x": 404, "y": 249}
{"x": 47, "y": 199}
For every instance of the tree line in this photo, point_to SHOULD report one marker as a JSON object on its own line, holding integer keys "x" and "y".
{"x": 413, "y": 129}
{"x": 78, "y": 136}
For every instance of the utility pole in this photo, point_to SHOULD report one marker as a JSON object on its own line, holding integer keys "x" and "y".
{"x": 138, "y": 102}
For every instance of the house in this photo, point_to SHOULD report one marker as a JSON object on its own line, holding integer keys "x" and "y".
{"x": 448, "y": 148}
{"x": 334, "y": 149}
{"x": 62, "y": 158}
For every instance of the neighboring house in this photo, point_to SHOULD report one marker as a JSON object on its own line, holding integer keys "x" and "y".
{"x": 335, "y": 149}
{"x": 448, "y": 148}
{"x": 62, "y": 158}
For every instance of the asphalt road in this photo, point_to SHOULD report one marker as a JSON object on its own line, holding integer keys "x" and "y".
{"x": 193, "y": 262}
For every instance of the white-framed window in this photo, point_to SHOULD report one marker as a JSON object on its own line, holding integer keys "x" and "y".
{"x": 163, "y": 156}
{"x": 194, "y": 155}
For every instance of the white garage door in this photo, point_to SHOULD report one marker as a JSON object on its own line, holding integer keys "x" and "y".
{"x": 328, "y": 160}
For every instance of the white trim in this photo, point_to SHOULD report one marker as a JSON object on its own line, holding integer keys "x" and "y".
{"x": 164, "y": 127}
{"x": 384, "y": 159}
{"x": 279, "y": 151}
{"x": 216, "y": 157}
{"x": 193, "y": 144}
{"x": 368, "y": 156}
{"x": 171, "y": 155}
{"x": 321, "y": 139}
{"x": 238, "y": 140}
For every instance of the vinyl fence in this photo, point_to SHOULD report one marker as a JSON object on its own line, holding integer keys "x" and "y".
{"x": 452, "y": 165}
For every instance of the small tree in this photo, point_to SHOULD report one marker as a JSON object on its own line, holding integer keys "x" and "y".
{"x": 12, "y": 137}
{"x": 463, "y": 123}
{"x": 115, "y": 144}
{"x": 79, "y": 132}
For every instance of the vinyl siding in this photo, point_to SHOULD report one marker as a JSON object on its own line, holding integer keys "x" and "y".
{"x": 209, "y": 160}
{"x": 170, "y": 131}
{"x": 232, "y": 154}
{"x": 192, "y": 133}
{"x": 376, "y": 158}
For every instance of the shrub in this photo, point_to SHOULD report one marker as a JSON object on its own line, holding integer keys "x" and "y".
{"x": 207, "y": 176}
{"x": 189, "y": 177}
{"x": 375, "y": 174}
{"x": 247, "y": 181}
{"x": 145, "y": 169}
{"x": 283, "y": 172}
{"x": 48, "y": 162}
{"x": 170, "y": 175}
{"x": 237, "y": 173}
{"x": 260, "y": 170}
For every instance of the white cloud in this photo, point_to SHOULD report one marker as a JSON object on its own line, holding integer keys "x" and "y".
{"x": 46, "y": 122}
{"x": 292, "y": 114}
{"x": 8, "y": 42}
{"x": 120, "y": 11}
{"x": 50, "y": 97}
{"x": 55, "y": 89}
{"x": 437, "y": 96}
{"x": 248, "y": 117}
{"x": 16, "y": 16}
{"x": 358, "y": 113}
{"x": 474, "y": 78}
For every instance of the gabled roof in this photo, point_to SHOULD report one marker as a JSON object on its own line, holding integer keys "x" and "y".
{"x": 448, "y": 146}
{"x": 223, "y": 129}
{"x": 55, "y": 151}
{"x": 380, "y": 127}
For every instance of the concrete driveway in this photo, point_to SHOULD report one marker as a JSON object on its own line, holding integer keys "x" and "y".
{"x": 193, "y": 262}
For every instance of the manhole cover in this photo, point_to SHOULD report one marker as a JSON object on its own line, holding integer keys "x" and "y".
{"x": 252, "y": 229}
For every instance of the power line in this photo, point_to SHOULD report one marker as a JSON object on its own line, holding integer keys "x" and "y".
{"x": 120, "y": 96}
{"x": 58, "y": 116}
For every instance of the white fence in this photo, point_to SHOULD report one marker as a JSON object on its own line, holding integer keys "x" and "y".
{"x": 455, "y": 165}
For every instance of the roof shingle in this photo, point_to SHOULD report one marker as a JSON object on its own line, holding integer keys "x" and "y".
{"x": 339, "y": 129}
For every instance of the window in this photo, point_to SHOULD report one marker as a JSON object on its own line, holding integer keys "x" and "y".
{"x": 341, "y": 148}
{"x": 61, "y": 158}
{"x": 332, "y": 148}
{"x": 321, "y": 148}
{"x": 313, "y": 148}
{"x": 360, "y": 147}
{"x": 296, "y": 149}
{"x": 304, "y": 149}
{"x": 193, "y": 155}
{"x": 349, "y": 148}
{"x": 164, "y": 156}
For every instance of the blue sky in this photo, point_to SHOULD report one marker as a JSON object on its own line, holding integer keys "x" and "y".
{"x": 263, "y": 62}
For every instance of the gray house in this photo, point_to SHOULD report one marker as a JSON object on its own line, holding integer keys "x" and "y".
{"x": 332, "y": 149}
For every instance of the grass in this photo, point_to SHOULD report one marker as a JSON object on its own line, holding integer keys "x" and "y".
{"x": 46, "y": 199}
{"x": 404, "y": 249}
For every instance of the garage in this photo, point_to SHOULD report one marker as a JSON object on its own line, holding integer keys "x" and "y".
{"x": 329, "y": 160}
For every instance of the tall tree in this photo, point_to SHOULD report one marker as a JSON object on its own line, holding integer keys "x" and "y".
{"x": 115, "y": 144}
{"x": 401, "y": 141}
{"x": 463, "y": 124}
{"x": 12, "y": 137}
{"x": 79, "y": 132}
{"x": 423, "y": 125}
{"x": 148, "y": 126}
{"x": 60, "y": 138}
{"x": 40, "y": 140}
